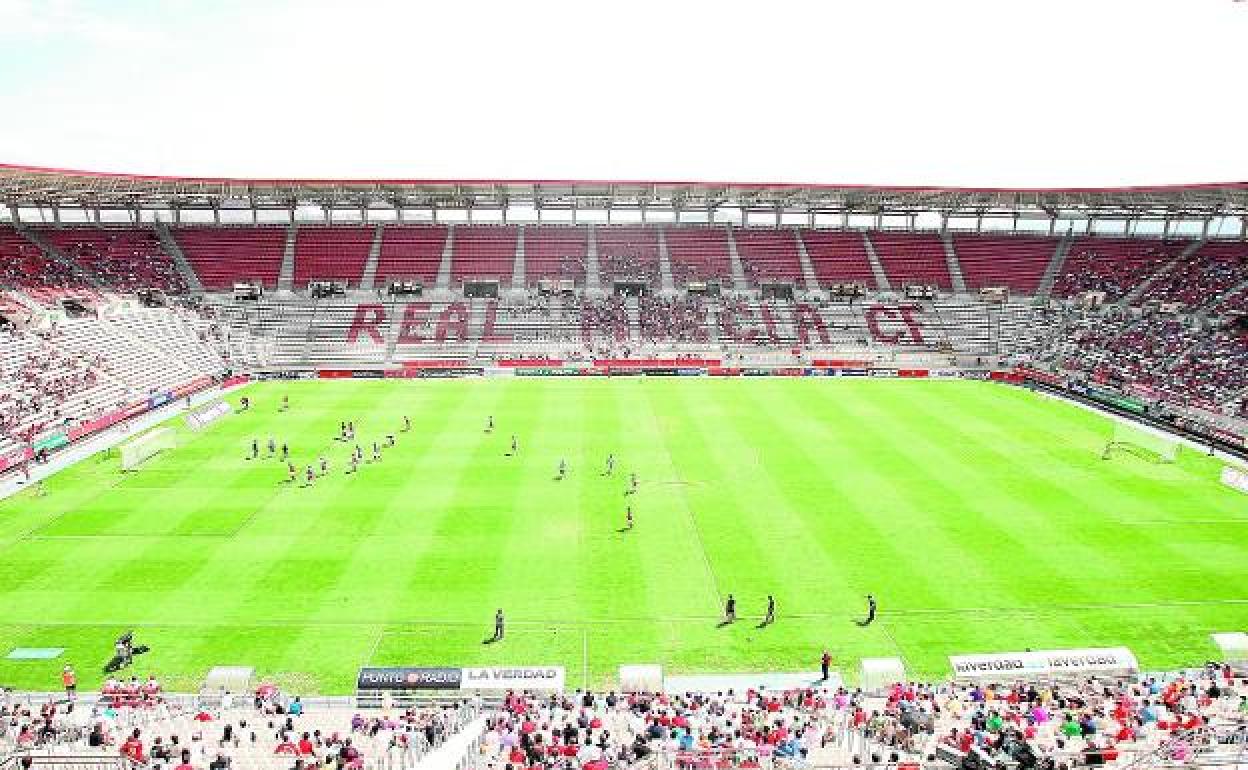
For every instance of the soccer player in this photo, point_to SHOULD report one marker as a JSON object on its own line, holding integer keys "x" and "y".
{"x": 515, "y": 445}
{"x": 309, "y": 476}
{"x": 610, "y": 464}
{"x": 285, "y": 451}
{"x": 770, "y": 617}
{"x": 628, "y": 517}
{"x": 389, "y": 439}
{"x": 825, "y": 664}
{"x": 870, "y": 612}
{"x": 499, "y": 626}
{"x": 255, "y": 449}
{"x": 342, "y": 431}
{"x": 272, "y": 446}
{"x": 290, "y": 468}
{"x": 324, "y": 465}
{"x": 563, "y": 469}
{"x": 355, "y": 464}
{"x": 376, "y": 452}
{"x": 407, "y": 424}
{"x": 632, "y": 484}
{"x": 285, "y": 404}
{"x": 489, "y": 424}
{"x": 730, "y": 610}
{"x": 350, "y": 430}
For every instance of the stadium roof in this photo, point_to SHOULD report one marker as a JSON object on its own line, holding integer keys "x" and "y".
{"x": 53, "y": 190}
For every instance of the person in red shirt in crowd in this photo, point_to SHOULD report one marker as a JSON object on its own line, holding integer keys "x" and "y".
{"x": 132, "y": 749}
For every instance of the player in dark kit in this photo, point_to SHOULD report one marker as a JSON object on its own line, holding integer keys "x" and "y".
{"x": 628, "y": 517}
{"x": 407, "y": 424}
{"x": 870, "y": 612}
{"x": 563, "y": 469}
{"x": 489, "y": 424}
{"x": 610, "y": 465}
{"x": 285, "y": 451}
{"x": 255, "y": 449}
{"x": 515, "y": 445}
{"x": 499, "y": 624}
{"x": 730, "y": 610}
{"x": 770, "y": 617}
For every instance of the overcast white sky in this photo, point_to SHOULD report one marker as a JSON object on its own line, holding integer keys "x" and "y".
{"x": 952, "y": 92}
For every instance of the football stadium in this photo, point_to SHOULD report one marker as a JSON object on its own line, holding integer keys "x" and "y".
{"x": 395, "y": 472}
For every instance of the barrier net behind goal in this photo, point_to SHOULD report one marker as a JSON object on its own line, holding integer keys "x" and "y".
{"x": 136, "y": 451}
{"x": 1153, "y": 446}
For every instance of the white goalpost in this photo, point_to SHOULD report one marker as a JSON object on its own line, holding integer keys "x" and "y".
{"x": 1148, "y": 444}
{"x": 138, "y": 450}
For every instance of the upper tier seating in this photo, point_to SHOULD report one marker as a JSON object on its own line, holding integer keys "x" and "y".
{"x": 410, "y": 252}
{"x": 222, "y": 256}
{"x": 126, "y": 259}
{"x": 698, "y": 254}
{"x": 912, "y": 258}
{"x": 335, "y": 253}
{"x": 1203, "y": 277}
{"x": 769, "y": 256}
{"x": 484, "y": 252}
{"x": 23, "y": 266}
{"x": 1112, "y": 265}
{"x": 838, "y": 257}
{"x": 628, "y": 253}
{"x": 555, "y": 253}
{"x": 1017, "y": 262}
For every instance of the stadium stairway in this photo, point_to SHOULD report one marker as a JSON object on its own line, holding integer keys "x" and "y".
{"x": 171, "y": 247}
{"x": 734, "y": 260}
{"x": 517, "y": 266}
{"x": 1045, "y": 288}
{"x": 444, "y": 267}
{"x": 877, "y": 267}
{"x": 369, "y": 276}
{"x": 666, "y": 282}
{"x": 1142, "y": 287}
{"x": 592, "y": 281}
{"x": 955, "y": 267}
{"x": 809, "y": 277}
{"x": 286, "y": 276}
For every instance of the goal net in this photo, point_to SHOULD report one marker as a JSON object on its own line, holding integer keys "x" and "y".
{"x": 1153, "y": 446}
{"x": 136, "y": 451}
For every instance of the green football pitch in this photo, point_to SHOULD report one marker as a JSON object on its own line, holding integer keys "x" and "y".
{"x": 981, "y": 515}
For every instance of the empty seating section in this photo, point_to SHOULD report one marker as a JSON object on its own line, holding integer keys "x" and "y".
{"x": 627, "y": 253}
{"x": 555, "y": 253}
{"x": 1112, "y": 265}
{"x": 484, "y": 252}
{"x": 769, "y": 256}
{"x": 23, "y": 266}
{"x": 1204, "y": 276}
{"x": 699, "y": 254}
{"x": 222, "y": 256}
{"x": 125, "y": 259}
{"x": 410, "y": 253}
{"x": 331, "y": 254}
{"x": 838, "y": 257}
{"x": 912, "y": 259}
{"x": 1015, "y": 262}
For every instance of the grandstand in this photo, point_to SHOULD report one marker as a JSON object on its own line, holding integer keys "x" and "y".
{"x": 776, "y": 481}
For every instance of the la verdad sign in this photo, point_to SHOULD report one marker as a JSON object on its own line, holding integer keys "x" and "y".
{"x": 1044, "y": 664}
{"x": 550, "y": 678}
